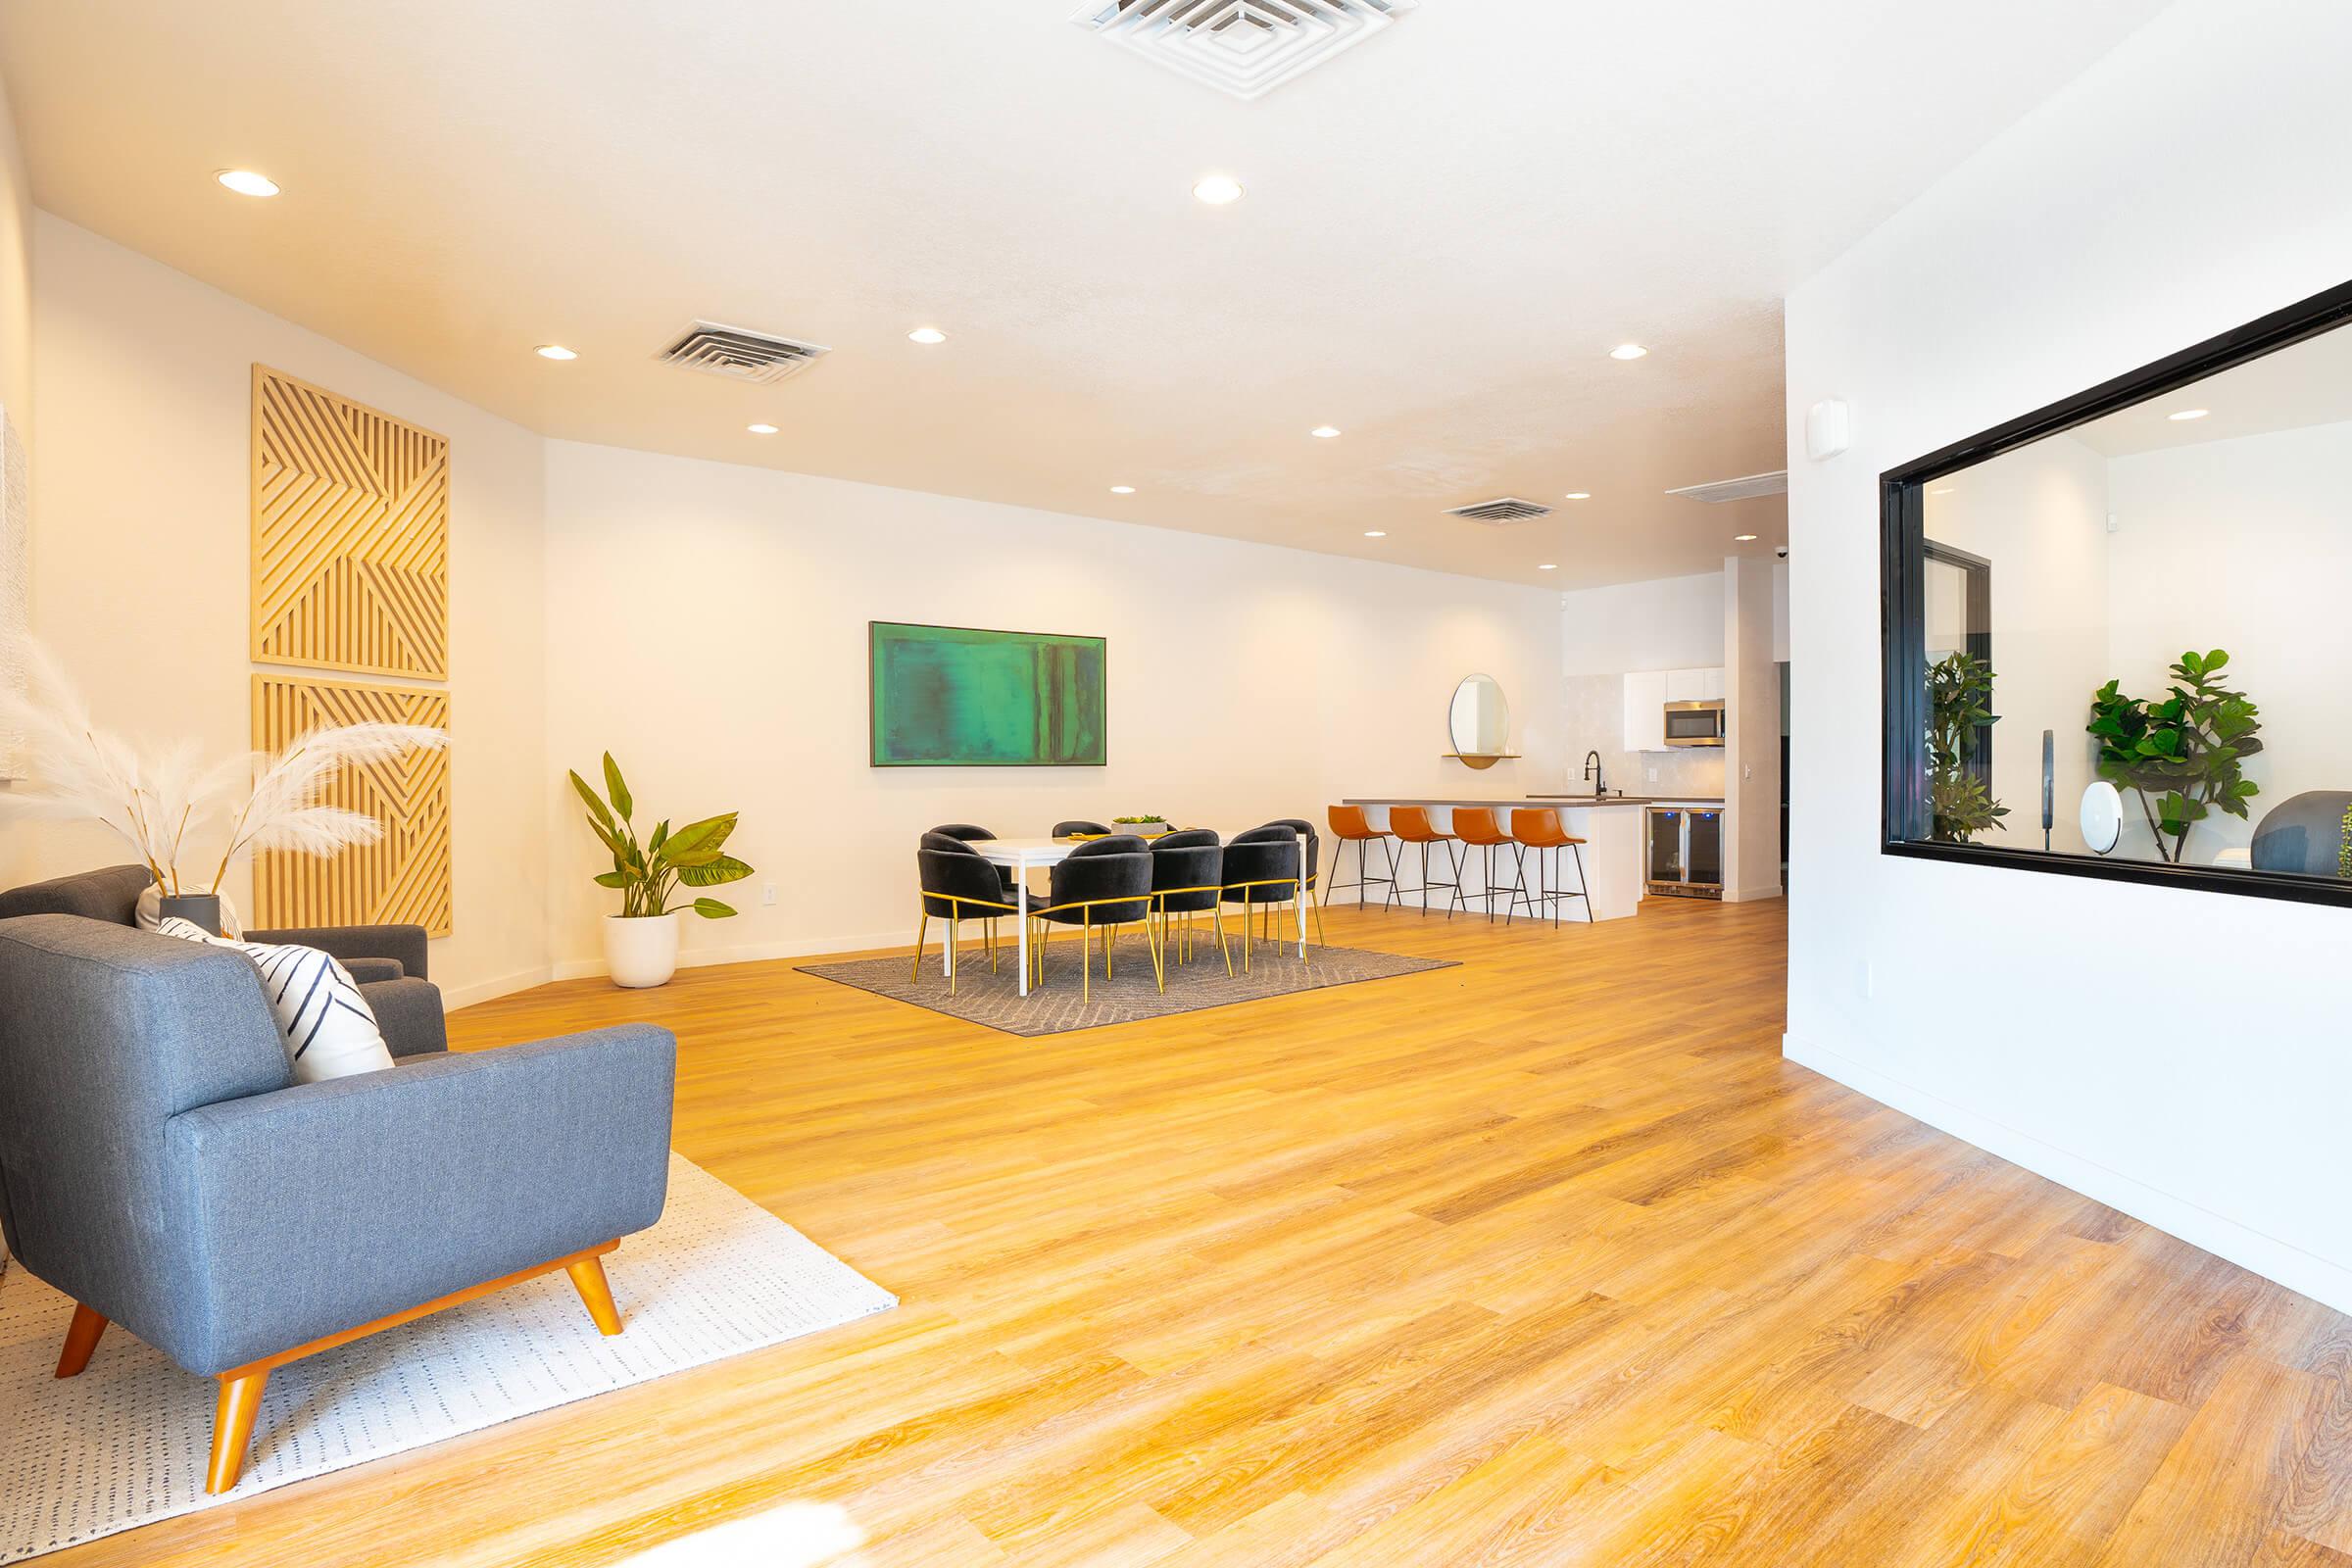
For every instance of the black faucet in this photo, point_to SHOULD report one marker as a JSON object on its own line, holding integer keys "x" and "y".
{"x": 1593, "y": 773}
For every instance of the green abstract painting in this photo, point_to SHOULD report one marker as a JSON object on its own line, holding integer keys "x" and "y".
{"x": 953, "y": 697}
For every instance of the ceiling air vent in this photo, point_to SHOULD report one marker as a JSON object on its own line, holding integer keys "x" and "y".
{"x": 1509, "y": 508}
{"x": 740, "y": 354}
{"x": 1775, "y": 483}
{"x": 1243, "y": 47}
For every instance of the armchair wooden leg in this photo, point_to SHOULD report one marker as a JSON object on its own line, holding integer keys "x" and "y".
{"x": 81, "y": 1338}
{"x": 239, "y": 1402}
{"x": 596, "y": 1292}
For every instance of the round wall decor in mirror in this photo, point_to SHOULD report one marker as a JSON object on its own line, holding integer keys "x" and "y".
{"x": 1479, "y": 723}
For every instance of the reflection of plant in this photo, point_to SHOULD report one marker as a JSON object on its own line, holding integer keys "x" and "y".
{"x": 1959, "y": 688}
{"x": 2343, "y": 854}
{"x": 2184, "y": 754}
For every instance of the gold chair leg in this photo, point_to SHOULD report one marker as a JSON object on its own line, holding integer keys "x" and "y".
{"x": 920, "y": 932}
{"x": 1086, "y": 956}
{"x": 1159, "y": 967}
{"x": 1318, "y": 909}
{"x": 952, "y": 925}
{"x": 991, "y": 944}
{"x": 1110, "y": 938}
{"x": 1216, "y": 915}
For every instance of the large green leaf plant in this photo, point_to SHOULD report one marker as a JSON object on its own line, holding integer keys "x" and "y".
{"x": 2185, "y": 754}
{"x": 647, "y": 876}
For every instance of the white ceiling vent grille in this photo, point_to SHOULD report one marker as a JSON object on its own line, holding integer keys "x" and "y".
{"x": 1244, "y": 47}
{"x": 740, "y": 354}
{"x": 1507, "y": 508}
{"x": 1775, "y": 483}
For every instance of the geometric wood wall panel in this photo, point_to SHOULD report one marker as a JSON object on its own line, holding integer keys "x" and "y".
{"x": 350, "y": 534}
{"x": 402, "y": 877}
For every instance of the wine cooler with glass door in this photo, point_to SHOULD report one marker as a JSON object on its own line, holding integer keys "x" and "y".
{"x": 1686, "y": 851}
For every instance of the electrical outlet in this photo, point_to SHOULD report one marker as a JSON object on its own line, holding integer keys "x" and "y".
{"x": 1865, "y": 981}
{"x": 767, "y": 893}
{"x": 1653, "y": 775}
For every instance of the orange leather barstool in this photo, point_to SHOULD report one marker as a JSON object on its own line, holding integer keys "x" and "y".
{"x": 1349, "y": 825}
{"x": 1538, "y": 830}
{"x": 1476, "y": 828}
{"x": 1411, "y": 825}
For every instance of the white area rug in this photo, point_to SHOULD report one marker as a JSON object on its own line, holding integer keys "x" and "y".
{"x": 126, "y": 1442}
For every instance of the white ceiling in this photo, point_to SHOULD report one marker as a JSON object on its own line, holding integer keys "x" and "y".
{"x": 1445, "y": 230}
{"x": 2310, "y": 383}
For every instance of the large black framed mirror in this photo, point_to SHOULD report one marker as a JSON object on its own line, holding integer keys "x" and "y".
{"x": 2142, "y": 591}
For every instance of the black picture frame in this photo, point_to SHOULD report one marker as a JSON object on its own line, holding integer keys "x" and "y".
{"x": 1904, "y": 817}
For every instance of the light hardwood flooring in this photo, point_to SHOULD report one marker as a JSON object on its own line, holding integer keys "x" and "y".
{"x": 1545, "y": 1259}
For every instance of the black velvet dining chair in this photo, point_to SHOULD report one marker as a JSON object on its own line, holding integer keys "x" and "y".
{"x": 1063, "y": 830}
{"x": 1101, "y": 885}
{"x": 957, "y": 885}
{"x": 1261, "y": 868}
{"x": 968, "y": 833}
{"x": 1187, "y": 878}
{"x": 1314, "y": 854}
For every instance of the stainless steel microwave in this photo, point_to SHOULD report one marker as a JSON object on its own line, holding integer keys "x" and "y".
{"x": 1694, "y": 723}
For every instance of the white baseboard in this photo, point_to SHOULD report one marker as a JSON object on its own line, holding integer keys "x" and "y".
{"x": 749, "y": 952}
{"x": 2319, "y": 1278}
{"x": 1768, "y": 890}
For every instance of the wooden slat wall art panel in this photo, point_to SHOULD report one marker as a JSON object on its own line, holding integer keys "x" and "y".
{"x": 350, "y": 534}
{"x": 403, "y": 878}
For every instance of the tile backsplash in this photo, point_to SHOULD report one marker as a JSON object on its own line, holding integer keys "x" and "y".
{"x": 1593, "y": 719}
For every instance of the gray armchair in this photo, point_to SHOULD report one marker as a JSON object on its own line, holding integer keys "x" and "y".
{"x": 387, "y": 961}
{"x": 160, "y": 1165}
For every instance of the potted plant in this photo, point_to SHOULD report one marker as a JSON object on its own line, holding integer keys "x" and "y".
{"x": 170, "y": 806}
{"x": 641, "y": 942}
{"x": 2184, "y": 755}
{"x": 1141, "y": 824}
{"x": 1961, "y": 807}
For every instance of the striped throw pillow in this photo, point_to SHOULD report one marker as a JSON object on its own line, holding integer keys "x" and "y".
{"x": 329, "y": 1028}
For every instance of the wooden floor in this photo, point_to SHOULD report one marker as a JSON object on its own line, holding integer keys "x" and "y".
{"x": 1545, "y": 1260}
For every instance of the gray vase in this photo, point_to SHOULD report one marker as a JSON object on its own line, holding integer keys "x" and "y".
{"x": 201, "y": 908}
{"x": 2303, "y": 833}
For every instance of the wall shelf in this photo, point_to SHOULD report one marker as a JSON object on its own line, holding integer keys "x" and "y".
{"x": 1479, "y": 759}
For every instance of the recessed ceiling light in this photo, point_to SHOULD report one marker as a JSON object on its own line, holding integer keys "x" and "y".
{"x": 1218, "y": 189}
{"x": 1324, "y": 432}
{"x": 556, "y": 351}
{"x": 760, "y": 429}
{"x": 1743, "y": 538}
{"x": 1579, "y": 494}
{"x": 1627, "y": 351}
{"x": 1549, "y": 566}
{"x": 1122, "y": 489}
{"x": 927, "y": 334}
{"x": 2189, "y": 414}
{"x": 1376, "y": 533}
{"x": 245, "y": 182}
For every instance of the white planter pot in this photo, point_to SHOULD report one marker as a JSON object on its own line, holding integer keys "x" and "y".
{"x": 644, "y": 950}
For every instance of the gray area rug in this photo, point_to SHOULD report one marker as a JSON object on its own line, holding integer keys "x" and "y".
{"x": 1130, "y": 994}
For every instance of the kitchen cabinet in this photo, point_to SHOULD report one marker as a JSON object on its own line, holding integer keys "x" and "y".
{"x": 1646, "y": 694}
{"x": 1645, "y": 710}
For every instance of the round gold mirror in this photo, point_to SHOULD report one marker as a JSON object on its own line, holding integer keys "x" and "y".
{"x": 1479, "y": 721}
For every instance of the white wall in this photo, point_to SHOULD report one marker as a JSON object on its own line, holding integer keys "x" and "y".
{"x": 2260, "y": 530}
{"x": 1751, "y": 753}
{"x": 2163, "y": 197}
{"x": 16, "y": 275}
{"x": 141, "y": 565}
{"x": 1608, "y": 633}
{"x": 1246, "y": 681}
{"x": 1665, "y": 623}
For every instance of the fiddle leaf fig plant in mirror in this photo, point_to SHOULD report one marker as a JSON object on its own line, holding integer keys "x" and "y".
{"x": 641, "y": 942}
{"x": 1959, "y": 688}
{"x": 2185, "y": 754}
